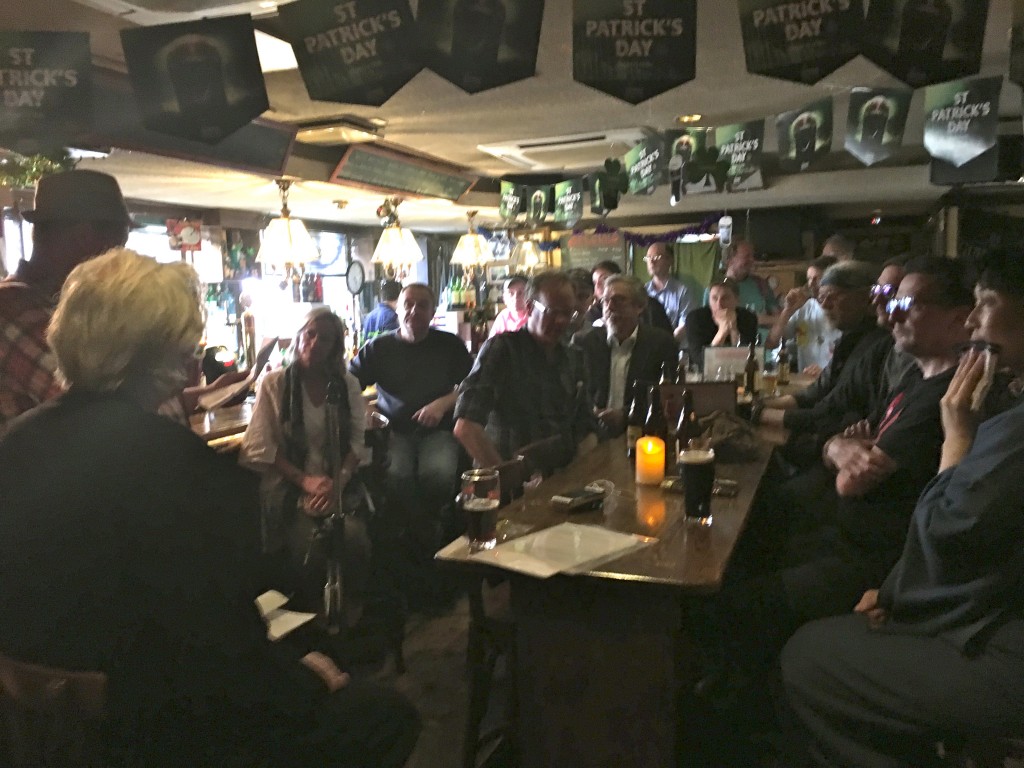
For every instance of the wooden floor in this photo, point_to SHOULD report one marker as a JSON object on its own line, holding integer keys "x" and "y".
{"x": 435, "y": 680}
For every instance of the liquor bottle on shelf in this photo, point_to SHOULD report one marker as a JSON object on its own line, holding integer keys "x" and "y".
{"x": 750, "y": 371}
{"x": 684, "y": 367}
{"x": 635, "y": 419}
{"x": 656, "y": 424}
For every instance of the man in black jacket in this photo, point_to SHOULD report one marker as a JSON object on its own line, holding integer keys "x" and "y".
{"x": 847, "y": 390}
{"x": 623, "y": 351}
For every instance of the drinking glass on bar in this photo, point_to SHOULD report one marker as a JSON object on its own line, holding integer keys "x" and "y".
{"x": 480, "y": 499}
{"x": 697, "y": 468}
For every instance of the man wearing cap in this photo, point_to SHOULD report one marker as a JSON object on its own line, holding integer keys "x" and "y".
{"x": 77, "y": 216}
{"x": 847, "y": 389}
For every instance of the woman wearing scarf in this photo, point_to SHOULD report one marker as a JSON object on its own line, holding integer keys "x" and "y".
{"x": 287, "y": 441}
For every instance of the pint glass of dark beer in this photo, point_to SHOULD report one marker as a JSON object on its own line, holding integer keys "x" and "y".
{"x": 697, "y": 467}
{"x": 480, "y": 499}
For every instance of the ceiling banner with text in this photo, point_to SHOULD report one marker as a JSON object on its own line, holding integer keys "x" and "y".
{"x": 742, "y": 145}
{"x": 354, "y": 52}
{"x": 875, "y": 123}
{"x": 634, "y": 49}
{"x": 480, "y": 44}
{"x": 644, "y": 164}
{"x": 961, "y": 118}
{"x": 923, "y": 42}
{"x": 803, "y": 41}
{"x": 805, "y": 135}
{"x": 569, "y": 201}
{"x": 46, "y": 85}
{"x": 694, "y": 165}
{"x": 200, "y": 80}
{"x": 512, "y": 200}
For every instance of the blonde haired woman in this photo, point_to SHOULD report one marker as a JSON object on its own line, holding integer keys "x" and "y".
{"x": 126, "y": 546}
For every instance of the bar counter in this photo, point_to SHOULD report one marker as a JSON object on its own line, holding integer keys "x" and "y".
{"x": 222, "y": 428}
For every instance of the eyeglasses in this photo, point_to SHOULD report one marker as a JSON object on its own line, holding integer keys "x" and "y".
{"x": 884, "y": 291}
{"x": 616, "y": 300}
{"x": 557, "y": 314}
{"x": 903, "y": 305}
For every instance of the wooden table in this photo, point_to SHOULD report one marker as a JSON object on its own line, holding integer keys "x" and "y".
{"x": 222, "y": 428}
{"x": 597, "y": 652}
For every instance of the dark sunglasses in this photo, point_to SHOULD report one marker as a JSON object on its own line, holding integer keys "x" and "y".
{"x": 883, "y": 291}
{"x": 903, "y": 305}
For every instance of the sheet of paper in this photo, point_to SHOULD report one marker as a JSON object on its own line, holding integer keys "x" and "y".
{"x": 564, "y": 547}
{"x": 221, "y": 395}
{"x": 280, "y": 621}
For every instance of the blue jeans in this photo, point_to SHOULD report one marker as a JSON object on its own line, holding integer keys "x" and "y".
{"x": 422, "y": 481}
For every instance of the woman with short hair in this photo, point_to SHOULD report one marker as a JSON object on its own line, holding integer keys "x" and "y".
{"x": 127, "y": 547}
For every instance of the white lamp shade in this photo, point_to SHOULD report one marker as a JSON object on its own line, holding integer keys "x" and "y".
{"x": 396, "y": 246}
{"x": 472, "y": 250}
{"x": 286, "y": 241}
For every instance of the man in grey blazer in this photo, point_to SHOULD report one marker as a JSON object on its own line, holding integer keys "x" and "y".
{"x": 623, "y": 351}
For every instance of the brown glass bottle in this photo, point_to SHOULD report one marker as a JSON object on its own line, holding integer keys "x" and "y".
{"x": 750, "y": 371}
{"x": 656, "y": 424}
{"x": 784, "y": 364}
{"x": 688, "y": 427}
{"x": 635, "y": 418}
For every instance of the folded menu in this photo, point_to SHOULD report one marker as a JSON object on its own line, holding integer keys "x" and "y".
{"x": 280, "y": 622}
{"x": 564, "y": 548}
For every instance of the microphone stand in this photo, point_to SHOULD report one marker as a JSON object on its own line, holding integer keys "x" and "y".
{"x": 332, "y": 527}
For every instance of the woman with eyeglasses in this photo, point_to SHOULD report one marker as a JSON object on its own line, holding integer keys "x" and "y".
{"x": 127, "y": 547}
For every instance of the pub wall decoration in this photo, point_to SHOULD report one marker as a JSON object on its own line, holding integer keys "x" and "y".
{"x": 802, "y": 42}
{"x": 805, "y": 135}
{"x": 480, "y": 44}
{"x": 634, "y": 49}
{"x": 962, "y": 119}
{"x": 694, "y": 164}
{"x": 923, "y": 42}
{"x": 200, "y": 80}
{"x": 354, "y": 52}
{"x": 46, "y": 88}
{"x": 875, "y": 123}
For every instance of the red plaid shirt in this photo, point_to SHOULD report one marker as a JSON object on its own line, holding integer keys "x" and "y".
{"x": 27, "y": 365}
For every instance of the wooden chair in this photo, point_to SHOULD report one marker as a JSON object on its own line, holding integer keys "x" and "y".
{"x": 52, "y": 717}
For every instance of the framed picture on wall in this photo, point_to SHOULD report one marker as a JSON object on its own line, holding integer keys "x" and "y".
{"x": 497, "y": 273}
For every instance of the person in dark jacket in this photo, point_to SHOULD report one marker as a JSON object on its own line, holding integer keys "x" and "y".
{"x": 623, "y": 351}
{"x": 127, "y": 547}
{"x": 937, "y": 652}
{"x": 722, "y": 322}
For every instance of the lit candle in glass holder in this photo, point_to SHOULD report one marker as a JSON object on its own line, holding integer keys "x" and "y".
{"x": 650, "y": 461}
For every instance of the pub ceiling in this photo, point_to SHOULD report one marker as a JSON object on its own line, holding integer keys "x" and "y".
{"x": 433, "y": 117}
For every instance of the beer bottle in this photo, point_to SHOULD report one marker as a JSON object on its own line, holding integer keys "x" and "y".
{"x": 688, "y": 427}
{"x": 783, "y": 363}
{"x": 684, "y": 367}
{"x": 668, "y": 374}
{"x": 750, "y": 371}
{"x": 635, "y": 420}
{"x": 656, "y": 424}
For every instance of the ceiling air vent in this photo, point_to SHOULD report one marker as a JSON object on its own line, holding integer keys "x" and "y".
{"x": 575, "y": 151}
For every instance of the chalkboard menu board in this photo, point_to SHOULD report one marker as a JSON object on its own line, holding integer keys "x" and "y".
{"x": 586, "y": 250}
{"x": 383, "y": 169}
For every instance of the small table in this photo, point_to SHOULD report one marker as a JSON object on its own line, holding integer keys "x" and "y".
{"x": 597, "y": 652}
{"x": 222, "y": 428}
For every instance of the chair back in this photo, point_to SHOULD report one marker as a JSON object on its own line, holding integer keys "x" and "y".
{"x": 52, "y": 717}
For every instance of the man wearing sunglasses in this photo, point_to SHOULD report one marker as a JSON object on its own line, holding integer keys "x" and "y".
{"x": 935, "y": 653}
{"x": 879, "y": 469}
{"x": 847, "y": 389}
{"x": 528, "y": 385}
